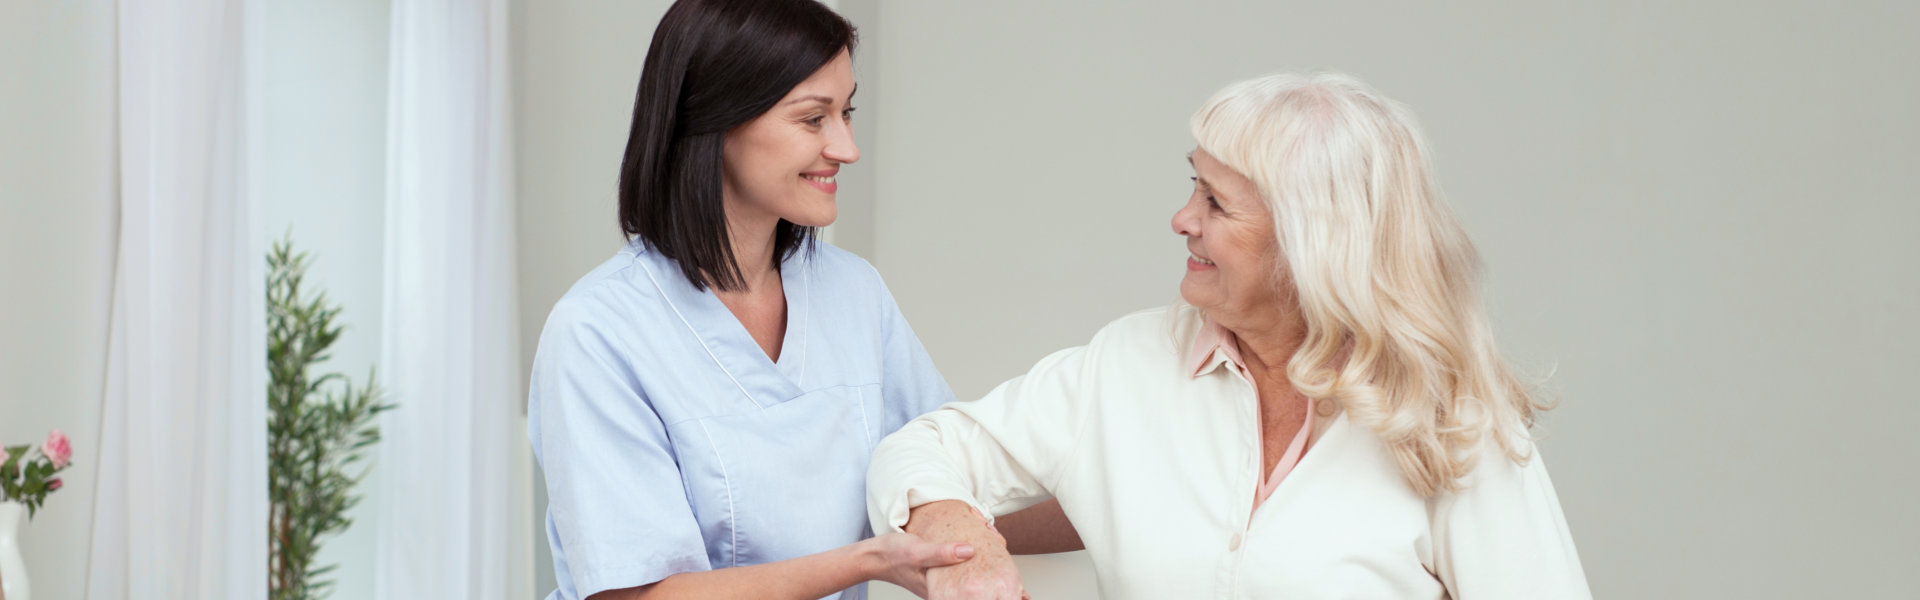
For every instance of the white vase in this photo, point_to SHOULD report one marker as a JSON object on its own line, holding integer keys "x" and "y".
{"x": 13, "y": 570}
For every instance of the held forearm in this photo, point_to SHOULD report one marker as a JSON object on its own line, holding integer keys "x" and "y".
{"x": 803, "y": 578}
{"x": 990, "y": 574}
{"x": 952, "y": 521}
{"x": 1039, "y": 529}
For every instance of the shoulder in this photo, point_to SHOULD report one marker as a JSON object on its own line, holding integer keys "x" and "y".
{"x": 835, "y": 266}
{"x": 845, "y": 288}
{"x": 1505, "y": 458}
{"x": 1143, "y": 343}
{"x": 1152, "y": 332}
{"x": 612, "y": 297}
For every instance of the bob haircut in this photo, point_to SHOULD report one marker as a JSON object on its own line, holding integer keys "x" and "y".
{"x": 1381, "y": 269}
{"x": 713, "y": 66}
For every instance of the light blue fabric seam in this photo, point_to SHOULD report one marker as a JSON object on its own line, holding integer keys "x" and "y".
{"x": 696, "y": 336}
{"x": 803, "y": 392}
{"x": 865, "y": 425}
{"x": 733, "y": 516}
{"x": 806, "y": 294}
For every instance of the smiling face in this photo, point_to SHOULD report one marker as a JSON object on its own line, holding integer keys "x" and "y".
{"x": 782, "y": 164}
{"x": 1234, "y": 271}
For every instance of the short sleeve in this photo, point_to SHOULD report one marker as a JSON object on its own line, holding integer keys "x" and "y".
{"x": 1504, "y": 536}
{"x": 910, "y": 386}
{"x": 618, "y": 513}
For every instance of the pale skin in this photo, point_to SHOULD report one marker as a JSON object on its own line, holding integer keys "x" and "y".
{"x": 780, "y": 166}
{"x": 1232, "y": 276}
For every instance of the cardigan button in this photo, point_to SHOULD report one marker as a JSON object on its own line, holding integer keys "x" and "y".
{"x": 1233, "y": 544}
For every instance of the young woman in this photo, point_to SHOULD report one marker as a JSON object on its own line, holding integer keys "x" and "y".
{"x": 705, "y": 402}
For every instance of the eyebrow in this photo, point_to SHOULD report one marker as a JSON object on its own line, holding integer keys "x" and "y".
{"x": 1196, "y": 172}
{"x": 820, "y": 99}
{"x": 826, "y": 100}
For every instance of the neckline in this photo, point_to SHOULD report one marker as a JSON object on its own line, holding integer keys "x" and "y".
{"x": 762, "y": 380}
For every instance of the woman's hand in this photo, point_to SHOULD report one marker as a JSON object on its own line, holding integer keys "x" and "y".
{"x": 903, "y": 559}
{"x": 991, "y": 575}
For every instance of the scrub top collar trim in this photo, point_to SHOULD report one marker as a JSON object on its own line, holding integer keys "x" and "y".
{"x": 763, "y": 381}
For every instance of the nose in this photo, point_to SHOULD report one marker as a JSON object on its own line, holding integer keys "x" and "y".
{"x": 1186, "y": 220}
{"x": 840, "y": 147}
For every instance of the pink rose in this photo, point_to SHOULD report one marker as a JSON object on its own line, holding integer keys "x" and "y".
{"x": 57, "y": 450}
{"x": 53, "y": 484}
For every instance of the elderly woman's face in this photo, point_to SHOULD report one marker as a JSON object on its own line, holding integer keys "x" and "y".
{"x": 1233, "y": 272}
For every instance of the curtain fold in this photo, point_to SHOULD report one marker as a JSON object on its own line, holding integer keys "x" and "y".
{"x": 450, "y": 353}
{"x": 180, "y": 509}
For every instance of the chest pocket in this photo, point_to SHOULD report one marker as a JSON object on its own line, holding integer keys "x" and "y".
{"x": 782, "y": 481}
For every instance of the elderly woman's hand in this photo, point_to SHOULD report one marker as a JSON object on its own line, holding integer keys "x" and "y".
{"x": 990, "y": 575}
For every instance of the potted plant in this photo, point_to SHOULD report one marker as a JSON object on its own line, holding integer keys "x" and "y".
{"x": 319, "y": 429}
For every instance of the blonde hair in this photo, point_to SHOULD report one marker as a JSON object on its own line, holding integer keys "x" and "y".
{"x": 1382, "y": 270}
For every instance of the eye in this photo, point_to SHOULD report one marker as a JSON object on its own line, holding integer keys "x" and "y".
{"x": 847, "y": 115}
{"x": 816, "y": 120}
{"x": 1211, "y": 201}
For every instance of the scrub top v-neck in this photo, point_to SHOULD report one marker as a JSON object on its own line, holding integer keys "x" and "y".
{"x": 671, "y": 442}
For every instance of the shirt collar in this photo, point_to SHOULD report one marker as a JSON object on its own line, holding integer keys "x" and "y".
{"x": 1212, "y": 347}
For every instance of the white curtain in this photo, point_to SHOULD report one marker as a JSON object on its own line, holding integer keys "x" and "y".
{"x": 447, "y": 506}
{"x": 181, "y": 507}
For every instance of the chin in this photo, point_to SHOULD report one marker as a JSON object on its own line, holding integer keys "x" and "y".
{"x": 814, "y": 216}
{"x": 1190, "y": 296}
{"x": 1202, "y": 297}
{"x": 814, "y": 220}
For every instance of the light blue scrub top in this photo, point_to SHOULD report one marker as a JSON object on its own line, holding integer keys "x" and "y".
{"x": 671, "y": 443}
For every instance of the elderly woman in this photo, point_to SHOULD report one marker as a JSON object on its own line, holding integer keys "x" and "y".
{"x": 1325, "y": 416}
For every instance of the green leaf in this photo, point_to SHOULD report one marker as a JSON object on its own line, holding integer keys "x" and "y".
{"x": 319, "y": 428}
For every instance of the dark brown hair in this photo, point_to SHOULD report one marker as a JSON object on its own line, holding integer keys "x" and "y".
{"x": 714, "y": 65}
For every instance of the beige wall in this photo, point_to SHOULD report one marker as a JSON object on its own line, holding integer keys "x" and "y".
{"x": 57, "y": 158}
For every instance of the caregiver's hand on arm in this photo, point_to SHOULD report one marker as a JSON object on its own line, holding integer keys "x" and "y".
{"x": 991, "y": 574}
{"x": 901, "y": 559}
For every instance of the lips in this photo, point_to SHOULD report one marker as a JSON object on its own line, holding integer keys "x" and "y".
{"x": 823, "y": 180}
